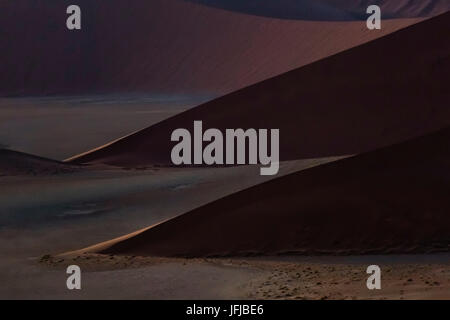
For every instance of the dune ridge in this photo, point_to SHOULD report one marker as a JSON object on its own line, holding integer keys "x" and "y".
{"x": 330, "y": 10}
{"x": 392, "y": 200}
{"x": 379, "y": 93}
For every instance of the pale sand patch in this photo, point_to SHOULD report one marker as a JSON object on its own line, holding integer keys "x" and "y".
{"x": 403, "y": 276}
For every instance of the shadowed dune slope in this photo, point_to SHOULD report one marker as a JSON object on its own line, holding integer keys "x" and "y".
{"x": 389, "y": 200}
{"x": 374, "y": 95}
{"x": 331, "y": 10}
{"x": 158, "y": 46}
{"x": 19, "y": 163}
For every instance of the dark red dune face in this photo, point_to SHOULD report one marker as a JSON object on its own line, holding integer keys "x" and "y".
{"x": 331, "y": 10}
{"x": 157, "y": 46}
{"x": 390, "y": 200}
{"x": 374, "y": 95}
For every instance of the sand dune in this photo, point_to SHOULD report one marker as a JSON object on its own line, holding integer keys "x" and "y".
{"x": 334, "y": 10}
{"x": 390, "y": 200}
{"x": 19, "y": 163}
{"x": 374, "y": 95}
{"x": 158, "y": 46}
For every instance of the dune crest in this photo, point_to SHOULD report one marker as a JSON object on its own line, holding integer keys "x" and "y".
{"x": 331, "y": 10}
{"x": 382, "y": 92}
{"x": 390, "y": 200}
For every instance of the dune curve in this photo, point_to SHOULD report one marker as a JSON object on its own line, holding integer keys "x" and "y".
{"x": 331, "y": 10}
{"x": 390, "y": 200}
{"x": 383, "y": 92}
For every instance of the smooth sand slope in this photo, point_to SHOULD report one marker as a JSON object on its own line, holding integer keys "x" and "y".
{"x": 390, "y": 200}
{"x": 158, "y": 46}
{"x": 379, "y": 93}
{"x": 331, "y": 10}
